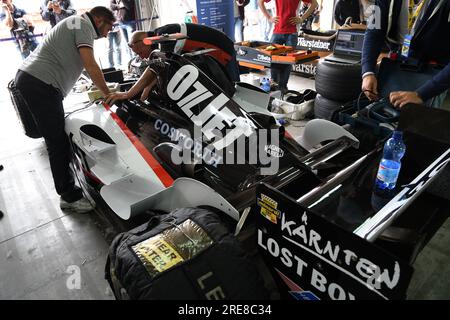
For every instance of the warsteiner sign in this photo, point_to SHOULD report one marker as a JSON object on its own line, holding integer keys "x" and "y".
{"x": 305, "y": 68}
{"x": 316, "y": 45}
{"x": 316, "y": 259}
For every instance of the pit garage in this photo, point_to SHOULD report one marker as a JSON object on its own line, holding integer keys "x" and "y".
{"x": 209, "y": 178}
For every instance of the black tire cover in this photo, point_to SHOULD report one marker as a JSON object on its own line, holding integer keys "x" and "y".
{"x": 338, "y": 81}
{"x": 325, "y": 108}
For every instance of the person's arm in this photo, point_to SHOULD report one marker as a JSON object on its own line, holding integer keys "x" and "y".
{"x": 374, "y": 39}
{"x": 46, "y": 10}
{"x": 312, "y": 7}
{"x": 9, "y": 21}
{"x": 148, "y": 78}
{"x": 438, "y": 84}
{"x": 144, "y": 84}
{"x": 262, "y": 7}
{"x": 92, "y": 68}
{"x": 432, "y": 88}
{"x": 298, "y": 20}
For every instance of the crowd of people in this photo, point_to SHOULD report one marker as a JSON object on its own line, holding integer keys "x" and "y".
{"x": 22, "y": 30}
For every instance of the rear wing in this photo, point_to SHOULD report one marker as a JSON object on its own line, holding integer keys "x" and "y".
{"x": 312, "y": 258}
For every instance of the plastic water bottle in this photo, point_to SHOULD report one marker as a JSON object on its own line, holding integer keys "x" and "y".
{"x": 389, "y": 169}
{"x": 265, "y": 84}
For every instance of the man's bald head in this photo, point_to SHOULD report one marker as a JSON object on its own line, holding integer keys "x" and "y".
{"x": 137, "y": 44}
{"x": 138, "y": 36}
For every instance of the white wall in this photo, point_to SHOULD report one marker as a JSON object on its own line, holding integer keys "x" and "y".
{"x": 327, "y": 16}
{"x": 174, "y": 11}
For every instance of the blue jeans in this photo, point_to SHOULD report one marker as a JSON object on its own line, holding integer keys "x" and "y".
{"x": 280, "y": 72}
{"x": 127, "y": 29}
{"x": 114, "y": 49}
{"x": 266, "y": 26}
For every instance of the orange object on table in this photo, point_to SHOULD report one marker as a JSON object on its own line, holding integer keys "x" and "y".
{"x": 294, "y": 57}
{"x": 274, "y": 49}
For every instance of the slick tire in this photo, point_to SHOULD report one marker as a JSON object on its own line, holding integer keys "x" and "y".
{"x": 325, "y": 108}
{"x": 338, "y": 81}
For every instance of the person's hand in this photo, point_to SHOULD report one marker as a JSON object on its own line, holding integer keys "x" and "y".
{"x": 370, "y": 87}
{"x": 116, "y": 96}
{"x": 5, "y": 7}
{"x": 296, "y": 20}
{"x": 274, "y": 20}
{"x": 57, "y": 8}
{"x": 50, "y": 5}
{"x": 402, "y": 98}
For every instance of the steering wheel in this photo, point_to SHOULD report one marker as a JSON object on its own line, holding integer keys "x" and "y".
{"x": 383, "y": 111}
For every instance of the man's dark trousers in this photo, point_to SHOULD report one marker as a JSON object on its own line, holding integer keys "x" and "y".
{"x": 45, "y": 103}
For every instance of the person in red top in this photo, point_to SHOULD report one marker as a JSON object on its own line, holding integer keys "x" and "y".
{"x": 285, "y": 31}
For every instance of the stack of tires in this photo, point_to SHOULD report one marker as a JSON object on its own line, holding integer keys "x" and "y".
{"x": 336, "y": 84}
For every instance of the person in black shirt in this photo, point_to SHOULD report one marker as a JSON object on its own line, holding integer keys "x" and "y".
{"x": 199, "y": 37}
{"x": 345, "y": 9}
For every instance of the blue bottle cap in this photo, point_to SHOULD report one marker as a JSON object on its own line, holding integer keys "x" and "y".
{"x": 397, "y": 134}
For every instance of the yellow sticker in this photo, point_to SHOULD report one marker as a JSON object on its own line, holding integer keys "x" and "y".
{"x": 269, "y": 208}
{"x": 158, "y": 253}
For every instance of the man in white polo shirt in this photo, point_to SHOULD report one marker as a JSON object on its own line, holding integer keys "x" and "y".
{"x": 48, "y": 75}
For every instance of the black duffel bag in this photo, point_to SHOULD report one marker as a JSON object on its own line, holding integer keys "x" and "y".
{"x": 23, "y": 112}
{"x": 188, "y": 254}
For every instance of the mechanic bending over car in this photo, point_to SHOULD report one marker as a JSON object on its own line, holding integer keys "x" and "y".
{"x": 429, "y": 43}
{"x": 48, "y": 75}
{"x": 199, "y": 37}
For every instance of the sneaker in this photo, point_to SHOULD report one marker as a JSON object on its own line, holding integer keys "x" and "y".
{"x": 73, "y": 195}
{"x": 79, "y": 206}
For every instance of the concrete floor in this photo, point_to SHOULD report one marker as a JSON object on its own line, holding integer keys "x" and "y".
{"x": 44, "y": 253}
{"x": 47, "y": 254}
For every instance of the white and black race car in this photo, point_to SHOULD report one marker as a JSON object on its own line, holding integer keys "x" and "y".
{"x": 198, "y": 140}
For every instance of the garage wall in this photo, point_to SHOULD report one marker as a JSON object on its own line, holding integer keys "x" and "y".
{"x": 327, "y": 16}
{"x": 148, "y": 9}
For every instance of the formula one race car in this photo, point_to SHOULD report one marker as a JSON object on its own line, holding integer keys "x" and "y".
{"x": 196, "y": 140}
{"x": 199, "y": 140}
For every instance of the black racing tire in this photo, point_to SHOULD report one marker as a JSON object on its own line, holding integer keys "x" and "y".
{"x": 325, "y": 108}
{"x": 338, "y": 81}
